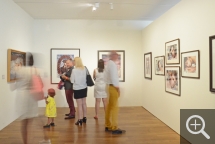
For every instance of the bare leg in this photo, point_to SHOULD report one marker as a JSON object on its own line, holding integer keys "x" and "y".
{"x": 84, "y": 107}
{"x": 97, "y": 105}
{"x": 24, "y": 131}
{"x": 104, "y": 100}
{"x": 80, "y": 108}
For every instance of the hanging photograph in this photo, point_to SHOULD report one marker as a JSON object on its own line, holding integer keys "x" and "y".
{"x": 148, "y": 65}
{"x": 15, "y": 61}
{"x": 58, "y": 61}
{"x": 159, "y": 65}
{"x": 172, "y": 80}
{"x": 172, "y": 52}
{"x": 212, "y": 62}
{"x": 104, "y": 54}
{"x": 190, "y": 64}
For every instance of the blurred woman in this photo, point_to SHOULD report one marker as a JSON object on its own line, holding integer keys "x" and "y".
{"x": 78, "y": 79}
{"x": 100, "y": 87}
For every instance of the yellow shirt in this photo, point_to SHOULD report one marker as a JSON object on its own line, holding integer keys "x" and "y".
{"x": 51, "y": 110}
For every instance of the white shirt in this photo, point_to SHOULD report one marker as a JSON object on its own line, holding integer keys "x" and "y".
{"x": 111, "y": 74}
{"x": 79, "y": 78}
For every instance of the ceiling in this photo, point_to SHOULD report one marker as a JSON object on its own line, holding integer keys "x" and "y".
{"x": 82, "y": 9}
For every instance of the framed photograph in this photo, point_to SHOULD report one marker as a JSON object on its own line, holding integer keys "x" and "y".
{"x": 190, "y": 64}
{"x": 15, "y": 61}
{"x": 58, "y": 61}
{"x": 172, "y": 80}
{"x": 104, "y": 54}
{"x": 172, "y": 51}
{"x": 148, "y": 65}
{"x": 212, "y": 62}
{"x": 159, "y": 65}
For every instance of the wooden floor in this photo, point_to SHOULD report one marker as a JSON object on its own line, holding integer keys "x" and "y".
{"x": 141, "y": 128}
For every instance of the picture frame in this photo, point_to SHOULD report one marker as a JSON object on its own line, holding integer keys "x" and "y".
{"x": 148, "y": 65}
{"x": 103, "y": 54}
{"x": 212, "y": 62}
{"x": 173, "y": 80}
{"x": 15, "y": 60}
{"x": 58, "y": 57}
{"x": 190, "y": 64}
{"x": 172, "y": 52}
{"x": 159, "y": 63}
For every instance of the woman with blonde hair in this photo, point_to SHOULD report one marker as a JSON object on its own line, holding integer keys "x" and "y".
{"x": 78, "y": 79}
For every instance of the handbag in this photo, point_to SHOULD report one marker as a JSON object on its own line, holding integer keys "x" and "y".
{"x": 89, "y": 78}
{"x": 36, "y": 86}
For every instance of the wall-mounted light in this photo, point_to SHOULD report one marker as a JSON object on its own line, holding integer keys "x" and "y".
{"x": 94, "y": 8}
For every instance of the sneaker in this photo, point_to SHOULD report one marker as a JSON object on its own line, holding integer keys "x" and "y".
{"x": 118, "y": 131}
{"x": 46, "y": 126}
{"x": 52, "y": 124}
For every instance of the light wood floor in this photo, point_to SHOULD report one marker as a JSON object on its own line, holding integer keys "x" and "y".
{"x": 141, "y": 128}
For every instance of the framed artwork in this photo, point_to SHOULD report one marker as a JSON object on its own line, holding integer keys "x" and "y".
{"x": 104, "y": 54}
{"x": 58, "y": 61}
{"x": 15, "y": 61}
{"x": 212, "y": 62}
{"x": 172, "y": 52}
{"x": 159, "y": 65}
{"x": 190, "y": 64}
{"x": 172, "y": 80}
{"x": 148, "y": 65}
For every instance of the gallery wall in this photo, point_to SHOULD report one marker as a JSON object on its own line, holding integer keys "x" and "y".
{"x": 16, "y": 32}
{"x": 192, "y": 21}
{"x": 91, "y": 36}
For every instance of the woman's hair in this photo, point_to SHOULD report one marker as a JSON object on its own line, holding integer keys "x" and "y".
{"x": 100, "y": 65}
{"x": 78, "y": 63}
{"x": 29, "y": 59}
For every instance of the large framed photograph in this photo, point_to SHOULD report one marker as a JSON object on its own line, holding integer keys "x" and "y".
{"x": 212, "y": 62}
{"x": 172, "y": 52}
{"x": 190, "y": 64}
{"x": 58, "y": 61}
{"x": 15, "y": 61}
{"x": 148, "y": 65}
{"x": 172, "y": 80}
{"x": 104, "y": 54}
{"x": 159, "y": 65}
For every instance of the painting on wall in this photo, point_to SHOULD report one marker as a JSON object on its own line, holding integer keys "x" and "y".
{"x": 172, "y": 52}
{"x": 58, "y": 61}
{"x": 190, "y": 64}
{"x": 15, "y": 61}
{"x": 159, "y": 65}
{"x": 212, "y": 62}
{"x": 172, "y": 80}
{"x": 148, "y": 65}
{"x": 104, "y": 54}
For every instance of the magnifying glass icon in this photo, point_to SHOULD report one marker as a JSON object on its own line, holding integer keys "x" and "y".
{"x": 201, "y": 130}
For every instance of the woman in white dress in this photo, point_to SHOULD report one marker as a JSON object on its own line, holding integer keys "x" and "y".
{"x": 100, "y": 87}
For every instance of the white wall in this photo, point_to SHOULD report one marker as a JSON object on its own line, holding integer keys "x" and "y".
{"x": 91, "y": 36}
{"x": 192, "y": 21}
{"x": 15, "y": 32}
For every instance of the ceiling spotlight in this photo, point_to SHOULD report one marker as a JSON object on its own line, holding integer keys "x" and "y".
{"x": 94, "y": 8}
{"x": 111, "y": 6}
{"x": 96, "y": 4}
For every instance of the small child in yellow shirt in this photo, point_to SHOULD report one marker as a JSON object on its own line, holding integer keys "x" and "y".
{"x": 51, "y": 111}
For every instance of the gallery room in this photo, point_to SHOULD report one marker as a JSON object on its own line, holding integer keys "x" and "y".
{"x": 162, "y": 53}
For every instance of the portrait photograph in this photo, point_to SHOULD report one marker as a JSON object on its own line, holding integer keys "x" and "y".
{"x": 59, "y": 56}
{"x": 159, "y": 63}
{"x": 16, "y": 60}
{"x": 190, "y": 64}
{"x": 172, "y": 80}
{"x": 148, "y": 65}
{"x": 172, "y": 52}
{"x": 120, "y": 62}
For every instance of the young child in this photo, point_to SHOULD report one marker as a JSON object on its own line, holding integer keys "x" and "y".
{"x": 51, "y": 111}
